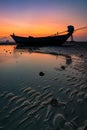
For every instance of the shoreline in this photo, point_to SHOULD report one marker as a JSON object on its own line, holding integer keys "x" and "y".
{"x": 67, "y": 42}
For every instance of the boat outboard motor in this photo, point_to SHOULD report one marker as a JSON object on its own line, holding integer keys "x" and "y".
{"x": 70, "y": 29}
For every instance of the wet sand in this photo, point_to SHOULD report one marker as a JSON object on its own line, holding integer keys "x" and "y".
{"x": 31, "y": 77}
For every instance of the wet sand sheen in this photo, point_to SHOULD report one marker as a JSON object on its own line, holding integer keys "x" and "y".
{"x": 25, "y": 95}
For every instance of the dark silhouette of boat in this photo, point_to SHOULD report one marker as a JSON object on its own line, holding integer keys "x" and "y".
{"x": 54, "y": 40}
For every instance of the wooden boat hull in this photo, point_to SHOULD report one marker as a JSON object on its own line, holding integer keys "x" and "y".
{"x": 44, "y": 41}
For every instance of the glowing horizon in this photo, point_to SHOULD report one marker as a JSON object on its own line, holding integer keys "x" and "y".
{"x": 42, "y": 18}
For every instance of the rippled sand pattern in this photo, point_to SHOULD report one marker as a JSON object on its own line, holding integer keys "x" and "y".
{"x": 25, "y": 96}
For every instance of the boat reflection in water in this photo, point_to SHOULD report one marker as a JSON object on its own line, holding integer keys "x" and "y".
{"x": 44, "y": 50}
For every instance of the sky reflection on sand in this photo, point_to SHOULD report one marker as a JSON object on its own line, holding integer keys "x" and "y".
{"x": 25, "y": 95}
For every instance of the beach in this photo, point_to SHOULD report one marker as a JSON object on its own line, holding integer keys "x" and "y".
{"x": 30, "y": 77}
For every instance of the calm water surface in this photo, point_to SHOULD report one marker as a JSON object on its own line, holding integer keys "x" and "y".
{"x": 25, "y": 95}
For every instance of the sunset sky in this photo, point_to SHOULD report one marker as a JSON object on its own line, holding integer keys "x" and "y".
{"x": 42, "y": 17}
